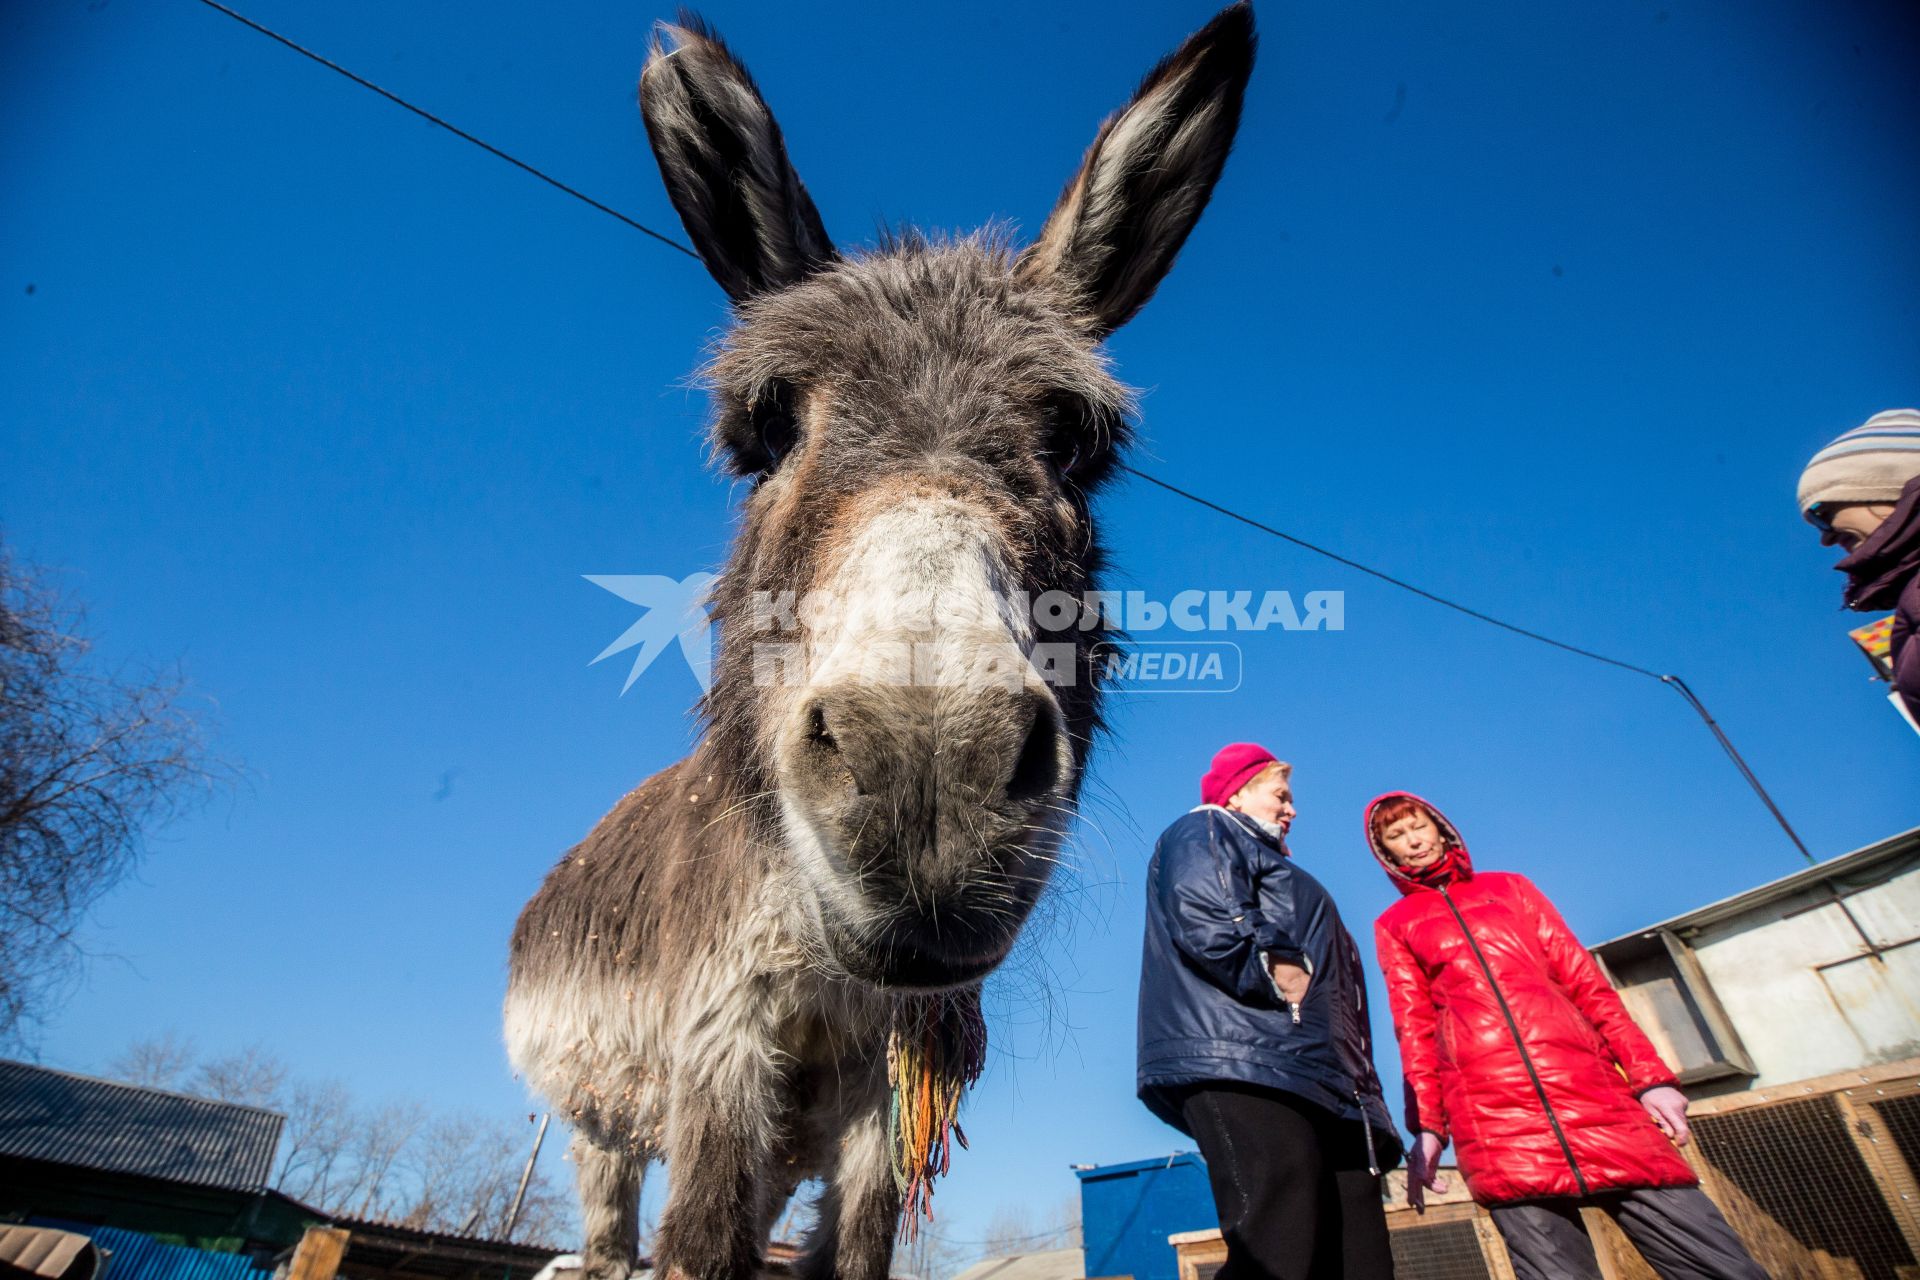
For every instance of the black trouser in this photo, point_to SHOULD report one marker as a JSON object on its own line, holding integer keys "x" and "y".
{"x": 1676, "y": 1229}
{"x": 1291, "y": 1185}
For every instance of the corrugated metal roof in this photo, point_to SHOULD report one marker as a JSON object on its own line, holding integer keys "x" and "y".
{"x": 403, "y": 1230}
{"x": 123, "y": 1128}
{"x": 132, "y": 1255}
{"x": 1904, "y": 845}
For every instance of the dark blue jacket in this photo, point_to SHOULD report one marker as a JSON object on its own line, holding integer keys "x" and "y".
{"x": 1223, "y": 901}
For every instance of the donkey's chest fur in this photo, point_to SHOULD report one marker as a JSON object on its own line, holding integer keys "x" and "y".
{"x": 669, "y": 944}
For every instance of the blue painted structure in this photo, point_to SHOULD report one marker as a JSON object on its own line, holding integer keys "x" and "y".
{"x": 134, "y": 1255}
{"x": 1127, "y": 1211}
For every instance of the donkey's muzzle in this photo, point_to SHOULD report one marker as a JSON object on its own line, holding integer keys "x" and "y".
{"x": 931, "y": 747}
{"x": 938, "y": 810}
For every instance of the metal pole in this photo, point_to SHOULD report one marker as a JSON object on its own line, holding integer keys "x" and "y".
{"x": 526, "y": 1176}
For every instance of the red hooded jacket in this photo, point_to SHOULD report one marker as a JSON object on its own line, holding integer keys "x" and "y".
{"x": 1515, "y": 1046}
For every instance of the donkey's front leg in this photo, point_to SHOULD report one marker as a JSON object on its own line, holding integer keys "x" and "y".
{"x": 610, "y": 1178}
{"x": 860, "y": 1212}
{"x": 720, "y": 1139}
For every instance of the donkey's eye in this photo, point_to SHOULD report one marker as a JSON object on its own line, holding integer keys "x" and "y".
{"x": 775, "y": 424}
{"x": 1074, "y": 435}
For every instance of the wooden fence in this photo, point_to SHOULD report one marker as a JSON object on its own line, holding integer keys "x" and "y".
{"x": 1818, "y": 1177}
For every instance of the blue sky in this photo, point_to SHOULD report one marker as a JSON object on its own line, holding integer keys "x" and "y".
{"x": 1542, "y": 308}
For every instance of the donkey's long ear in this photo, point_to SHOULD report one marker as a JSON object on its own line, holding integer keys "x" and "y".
{"x": 1147, "y": 176}
{"x": 726, "y": 165}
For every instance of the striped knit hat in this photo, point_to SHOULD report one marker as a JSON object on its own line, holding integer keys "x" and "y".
{"x": 1871, "y": 463}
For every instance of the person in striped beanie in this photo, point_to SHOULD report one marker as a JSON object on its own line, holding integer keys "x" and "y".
{"x": 1862, "y": 492}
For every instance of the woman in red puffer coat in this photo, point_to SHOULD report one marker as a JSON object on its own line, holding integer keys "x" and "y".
{"x": 1517, "y": 1049}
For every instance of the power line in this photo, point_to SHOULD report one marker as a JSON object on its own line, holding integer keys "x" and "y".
{"x": 1726, "y": 744}
{"x": 451, "y": 128}
{"x": 1672, "y": 681}
{"x": 1401, "y": 583}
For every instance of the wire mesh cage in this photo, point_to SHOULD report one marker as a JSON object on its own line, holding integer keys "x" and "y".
{"x": 1793, "y": 1180}
{"x": 1439, "y": 1251}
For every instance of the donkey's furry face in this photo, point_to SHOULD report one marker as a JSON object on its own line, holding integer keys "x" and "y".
{"x": 924, "y": 424}
{"x": 924, "y": 428}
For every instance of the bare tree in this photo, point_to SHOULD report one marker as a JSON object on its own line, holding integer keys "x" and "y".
{"x": 1009, "y": 1231}
{"x": 463, "y": 1172}
{"x": 446, "y": 1172}
{"x": 1066, "y": 1221}
{"x": 928, "y": 1256}
{"x": 380, "y": 1139}
{"x": 317, "y": 1144}
{"x": 254, "y": 1077}
{"x": 458, "y": 1177}
{"x": 89, "y": 762}
{"x": 158, "y": 1062}
{"x": 1016, "y": 1229}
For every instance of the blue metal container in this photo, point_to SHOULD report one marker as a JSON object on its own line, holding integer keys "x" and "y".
{"x": 1127, "y": 1211}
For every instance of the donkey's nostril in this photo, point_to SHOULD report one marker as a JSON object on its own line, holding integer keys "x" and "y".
{"x": 824, "y": 758}
{"x": 1037, "y": 769}
{"x": 817, "y": 729}
{"x": 924, "y": 751}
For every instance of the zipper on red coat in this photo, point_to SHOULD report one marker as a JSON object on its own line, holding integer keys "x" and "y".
{"x": 1513, "y": 1029}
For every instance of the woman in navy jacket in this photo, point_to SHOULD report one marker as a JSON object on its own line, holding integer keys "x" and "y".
{"x": 1254, "y": 1037}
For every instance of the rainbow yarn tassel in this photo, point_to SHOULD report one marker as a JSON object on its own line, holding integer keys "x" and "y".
{"x": 936, "y": 1049}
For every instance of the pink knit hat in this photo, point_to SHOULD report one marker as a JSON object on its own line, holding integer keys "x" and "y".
{"x": 1233, "y": 767}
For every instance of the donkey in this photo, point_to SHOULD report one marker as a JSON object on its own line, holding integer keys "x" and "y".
{"x": 709, "y": 978}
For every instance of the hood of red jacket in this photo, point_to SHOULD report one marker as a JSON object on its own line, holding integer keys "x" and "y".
{"x": 1456, "y": 865}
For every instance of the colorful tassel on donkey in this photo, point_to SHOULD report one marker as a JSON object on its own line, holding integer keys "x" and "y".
{"x": 936, "y": 1048}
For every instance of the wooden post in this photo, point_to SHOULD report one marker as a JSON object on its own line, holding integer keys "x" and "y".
{"x": 1493, "y": 1247}
{"x": 1895, "y": 1182}
{"x": 1617, "y": 1257}
{"x": 319, "y": 1254}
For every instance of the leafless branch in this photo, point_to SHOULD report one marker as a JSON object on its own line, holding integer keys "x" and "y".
{"x": 442, "y": 1172}
{"x": 90, "y": 762}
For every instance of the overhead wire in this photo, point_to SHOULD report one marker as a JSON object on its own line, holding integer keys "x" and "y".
{"x": 452, "y": 128}
{"x": 1672, "y": 681}
{"x": 1383, "y": 576}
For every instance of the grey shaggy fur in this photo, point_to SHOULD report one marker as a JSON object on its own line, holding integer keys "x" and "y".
{"x": 709, "y": 977}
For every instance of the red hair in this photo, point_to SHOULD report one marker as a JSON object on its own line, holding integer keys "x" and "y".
{"x": 1394, "y": 808}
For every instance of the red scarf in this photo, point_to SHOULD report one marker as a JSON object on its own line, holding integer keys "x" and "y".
{"x": 1447, "y": 869}
{"x": 1451, "y": 867}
